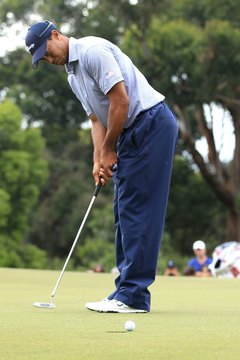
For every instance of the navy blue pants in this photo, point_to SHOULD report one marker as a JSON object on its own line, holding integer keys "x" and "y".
{"x": 141, "y": 187}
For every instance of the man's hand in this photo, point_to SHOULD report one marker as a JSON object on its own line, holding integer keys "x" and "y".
{"x": 107, "y": 160}
{"x": 102, "y": 171}
{"x": 105, "y": 140}
{"x": 117, "y": 116}
{"x": 96, "y": 172}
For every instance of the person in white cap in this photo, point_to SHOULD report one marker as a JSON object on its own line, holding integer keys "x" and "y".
{"x": 198, "y": 266}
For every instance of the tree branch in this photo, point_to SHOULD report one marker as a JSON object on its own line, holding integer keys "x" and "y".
{"x": 221, "y": 189}
{"x": 213, "y": 155}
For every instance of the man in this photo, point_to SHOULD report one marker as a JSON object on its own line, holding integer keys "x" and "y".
{"x": 171, "y": 269}
{"x": 134, "y": 136}
{"x": 198, "y": 266}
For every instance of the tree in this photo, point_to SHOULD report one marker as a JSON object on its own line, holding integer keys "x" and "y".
{"x": 196, "y": 64}
{"x": 65, "y": 198}
{"x": 173, "y": 54}
{"x": 194, "y": 211}
{"x": 43, "y": 96}
{"x": 97, "y": 247}
{"x": 22, "y": 173}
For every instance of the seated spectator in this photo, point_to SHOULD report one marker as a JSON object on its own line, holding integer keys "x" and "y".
{"x": 171, "y": 269}
{"x": 98, "y": 268}
{"x": 198, "y": 266}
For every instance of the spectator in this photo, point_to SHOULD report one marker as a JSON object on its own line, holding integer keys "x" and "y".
{"x": 171, "y": 269}
{"x": 98, "y": 268}
{"x": 198, "y": 266}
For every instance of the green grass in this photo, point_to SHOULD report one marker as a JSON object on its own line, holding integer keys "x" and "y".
{"x": 191, "y": 319}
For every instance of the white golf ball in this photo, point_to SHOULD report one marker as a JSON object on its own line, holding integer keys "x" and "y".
{"x": 129, "y": 325}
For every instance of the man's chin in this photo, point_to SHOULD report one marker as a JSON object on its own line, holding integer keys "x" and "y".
{"x": 60, "y": 63}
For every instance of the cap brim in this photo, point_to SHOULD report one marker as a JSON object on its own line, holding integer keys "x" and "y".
{"x": 39, "y": 54}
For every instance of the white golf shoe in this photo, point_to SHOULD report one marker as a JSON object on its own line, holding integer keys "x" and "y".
{"x": 112, "y": 306}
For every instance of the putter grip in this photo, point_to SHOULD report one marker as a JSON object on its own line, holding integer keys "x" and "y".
{"x": 98, "y": 187}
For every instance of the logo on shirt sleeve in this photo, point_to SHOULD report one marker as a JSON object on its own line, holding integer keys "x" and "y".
{"x": 109, "y": 73}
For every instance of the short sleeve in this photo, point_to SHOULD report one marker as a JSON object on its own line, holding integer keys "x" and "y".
{"x": 191, "y": 263}
{"x": 102, "y": 66}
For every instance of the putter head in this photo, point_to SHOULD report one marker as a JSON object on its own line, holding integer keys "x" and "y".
{"x": 44, "y": 305}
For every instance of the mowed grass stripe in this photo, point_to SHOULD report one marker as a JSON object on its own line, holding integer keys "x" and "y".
{"x": 191, "y": 319}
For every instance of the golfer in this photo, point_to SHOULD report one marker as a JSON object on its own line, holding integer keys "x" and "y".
{"x": 134, "y": 134}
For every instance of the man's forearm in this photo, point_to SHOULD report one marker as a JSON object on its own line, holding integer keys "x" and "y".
{"x": 117, "y": 115}
{"x": 116, "y": 121}
{"x": 98, "y": 133}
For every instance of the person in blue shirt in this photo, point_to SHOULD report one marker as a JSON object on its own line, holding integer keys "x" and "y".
{"x": 198, "y": 266}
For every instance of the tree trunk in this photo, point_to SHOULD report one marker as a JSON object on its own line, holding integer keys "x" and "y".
{"x": 233, "y": 226}
{"x": 224, "y": 182}
{"x": 235, "y": 113}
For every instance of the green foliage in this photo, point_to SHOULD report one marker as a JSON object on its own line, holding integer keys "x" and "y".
{"x": 5, "y": 208}
{"x": 101, "y": 223}
{"x": 10, "y": 125}
{"x": 22, "y": 173}
{"x": 98, "y": 246}
{"x": 193, "y": 213}
{"x": 17, "y": 255}
{"x": 38, "y": 94}
{"x": 169, "y": 252}
{"x": 202, "y": 11}
{"x": 66, "y": 196}
{"x": 221, "y": 64}
{"x": 181, "y": 47}
{"x": 12, "y": 10}
{"x": 238, "y": 200}
{"x": 196, "y": 62}
{"x": 193, "y": 210}
{"x": 186, "y": 61}
{"x": 174, "y": 75}
{"x": 22, "y": 168}
{"x": 94, "y": 252}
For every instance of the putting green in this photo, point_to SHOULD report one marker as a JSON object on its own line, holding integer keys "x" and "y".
{"x": 191, "y": 319}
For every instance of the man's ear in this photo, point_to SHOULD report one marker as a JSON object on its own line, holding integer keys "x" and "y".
{"x": 55, "y": 34}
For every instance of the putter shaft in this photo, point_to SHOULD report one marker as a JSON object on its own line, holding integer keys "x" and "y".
{"x": 97, "y": 189}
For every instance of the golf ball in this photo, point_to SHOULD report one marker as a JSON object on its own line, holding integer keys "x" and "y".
{"x": 129, "y": 325}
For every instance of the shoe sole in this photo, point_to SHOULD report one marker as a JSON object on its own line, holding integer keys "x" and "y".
{"x": 126, "y": 311}
{"x": 119, "y": 311}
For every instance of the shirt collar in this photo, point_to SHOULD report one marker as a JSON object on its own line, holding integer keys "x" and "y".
{"x": 72, "y": 54}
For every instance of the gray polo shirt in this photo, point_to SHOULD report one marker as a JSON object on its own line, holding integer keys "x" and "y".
{"x": 94, "y": 66}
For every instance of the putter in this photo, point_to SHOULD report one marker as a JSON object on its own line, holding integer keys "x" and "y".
{"x": 51, "y": 305}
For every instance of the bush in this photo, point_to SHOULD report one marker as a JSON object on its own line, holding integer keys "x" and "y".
{"x": 168, "y": 252}
{"x": 16, "y": 255}
{"x": 95, "y": 252}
